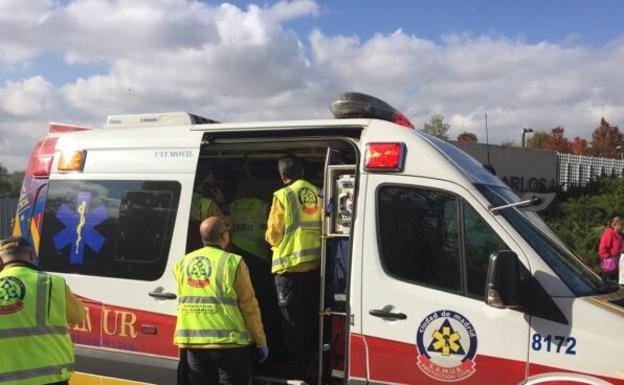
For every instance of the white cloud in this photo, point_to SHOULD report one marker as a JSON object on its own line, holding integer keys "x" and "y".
{"x": 236, "y": 64}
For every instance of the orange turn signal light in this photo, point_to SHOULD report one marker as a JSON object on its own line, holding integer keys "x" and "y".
{"x": 72, "y": 160}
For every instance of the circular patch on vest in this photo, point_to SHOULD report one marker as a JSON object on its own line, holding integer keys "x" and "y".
{"x": 198, "y": 272}
{"x": 308, "y": 200}
{"x": 12, "y": 292}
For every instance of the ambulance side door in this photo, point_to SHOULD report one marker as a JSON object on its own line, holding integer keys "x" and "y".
{"x": 427, "y": 244}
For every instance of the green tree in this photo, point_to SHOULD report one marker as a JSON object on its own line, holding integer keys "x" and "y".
{"x": 10, "y": 184}
{"x": 537, "y": 140}
{"x": 579, "y": 215}
{"x": 437, "y": 126}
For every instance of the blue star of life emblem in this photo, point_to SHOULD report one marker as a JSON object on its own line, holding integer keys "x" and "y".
{"x": 79, "y": 228}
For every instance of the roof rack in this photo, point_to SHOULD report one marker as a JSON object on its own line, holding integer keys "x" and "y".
{"x": 156, "y": 119}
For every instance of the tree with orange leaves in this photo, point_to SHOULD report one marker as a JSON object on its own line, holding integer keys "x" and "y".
{"x": 605, "y": 141}
{"x": 579, "y": 146}
{"x": 467, "y": 137}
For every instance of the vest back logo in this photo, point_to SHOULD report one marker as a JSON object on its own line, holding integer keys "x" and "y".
{"x": 198, "y": 272}
{"x": 12, "y": 292}
{"x": 308, "y": 200}
{"x": 447, "y": 346}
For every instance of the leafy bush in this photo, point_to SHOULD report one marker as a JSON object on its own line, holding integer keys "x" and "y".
{"x": 580, "y": 215}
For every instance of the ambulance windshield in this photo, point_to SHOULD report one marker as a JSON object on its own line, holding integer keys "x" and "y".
{"x": 581, "y": 280}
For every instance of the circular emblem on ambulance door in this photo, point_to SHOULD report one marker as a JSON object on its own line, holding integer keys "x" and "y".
{"x": 309, "y": 201}
{"x": 447, "y": 345}
{"x": 198, "y": 272}
{"x": 12, "y": 292}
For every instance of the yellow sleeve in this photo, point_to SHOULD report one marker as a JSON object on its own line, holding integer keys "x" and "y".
{"x": 249, "y": 305}
{"x": 73, "y": 307}
{"x": 275, "y": 224}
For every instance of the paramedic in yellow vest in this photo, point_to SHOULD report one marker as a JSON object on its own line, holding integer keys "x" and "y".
{"x": 205, "y": 203}
{"x": 294, "y": 231}
{"x": 218, "y": 315}
{"x": 249, "y": 219}
{"x": 35, "y": 311}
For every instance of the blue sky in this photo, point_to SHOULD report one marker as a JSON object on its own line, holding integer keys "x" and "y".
{"x": 538, "y": 64}
{"x": 587, "y": 22}
{"x": 568, "y": 22}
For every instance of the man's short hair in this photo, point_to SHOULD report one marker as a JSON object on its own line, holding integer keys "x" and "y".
{"x": 14, "y": 246}
{"x": 290, "y": 166}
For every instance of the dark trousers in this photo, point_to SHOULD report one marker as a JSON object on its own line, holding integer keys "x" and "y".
{"x": 262, "y": 281}
{"x": 220, "y": 366}
{"x": 612, "y": 276}
{"x": 298, "y": 299}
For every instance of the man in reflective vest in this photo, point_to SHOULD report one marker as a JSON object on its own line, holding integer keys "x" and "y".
{"x": 204, "y": 204}
{"x": 294, "y": 231}
{"x": 249, "y": 218}
{"x": 249, "y": 224}
{"x": 218, "y": 314}
{"x": 35, "y": 310}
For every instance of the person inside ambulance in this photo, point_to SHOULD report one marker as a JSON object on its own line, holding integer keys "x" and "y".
{"x": 205, "y": 203}
{"x": 36, "y": 309}
{"x": 248, "y": 214}
{"x": 294, "y": 231}
{"x": 218, "y": 319}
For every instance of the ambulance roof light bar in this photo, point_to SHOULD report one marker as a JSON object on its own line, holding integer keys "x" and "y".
{"x": 358, "y": 105}
{"x": 157, "y": 119}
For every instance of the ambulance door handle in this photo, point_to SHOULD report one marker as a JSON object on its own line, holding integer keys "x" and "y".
{"x": 382, "y": 313}
{"x": 159, "y": 293}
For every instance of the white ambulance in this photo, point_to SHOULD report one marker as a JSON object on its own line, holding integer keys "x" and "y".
{"x": 433, "y": 271}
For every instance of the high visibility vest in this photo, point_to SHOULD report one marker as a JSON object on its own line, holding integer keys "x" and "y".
{"x": 302, "y": 221}
{"x": 200, "y": 206}
{"x": 34, "y": 339}
{"x": 208, "y": 311}
{"x": 249, "y": 217}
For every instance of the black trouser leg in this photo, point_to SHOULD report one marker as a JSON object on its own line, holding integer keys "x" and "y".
{"x": 220, "y": 366}
{"x": 264, "y": 287}
{"x": 298, "y": 297}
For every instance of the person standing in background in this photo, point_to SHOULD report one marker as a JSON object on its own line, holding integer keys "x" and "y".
{"x": 610, "y": 248}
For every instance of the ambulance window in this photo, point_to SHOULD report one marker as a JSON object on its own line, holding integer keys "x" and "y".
{"x": 480, "y": 241}
{"x": 419, "y": 236}
{"x": 109, "y": 228}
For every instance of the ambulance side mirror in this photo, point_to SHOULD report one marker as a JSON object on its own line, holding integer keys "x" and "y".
{"x": 503, "y": 285}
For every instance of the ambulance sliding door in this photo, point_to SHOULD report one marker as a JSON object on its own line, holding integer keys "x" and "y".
{"x": 424, "y": 319}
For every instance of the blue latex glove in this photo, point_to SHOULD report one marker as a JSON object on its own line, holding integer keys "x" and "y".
{"x": 263, "y": 353}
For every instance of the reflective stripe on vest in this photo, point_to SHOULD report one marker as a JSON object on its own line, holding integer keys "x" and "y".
{"x": 212, "y": 333}
{"x": 42, "y": 309}
{"x": 213, "y": 300}
{"x": 36, "y": 372}
{"x": 299, "y": 254}
{"x": 208, "y": 309}
{"x": 302, "y": 220}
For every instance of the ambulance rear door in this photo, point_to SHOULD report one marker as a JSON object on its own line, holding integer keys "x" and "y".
{"x": 115, "y": 229}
